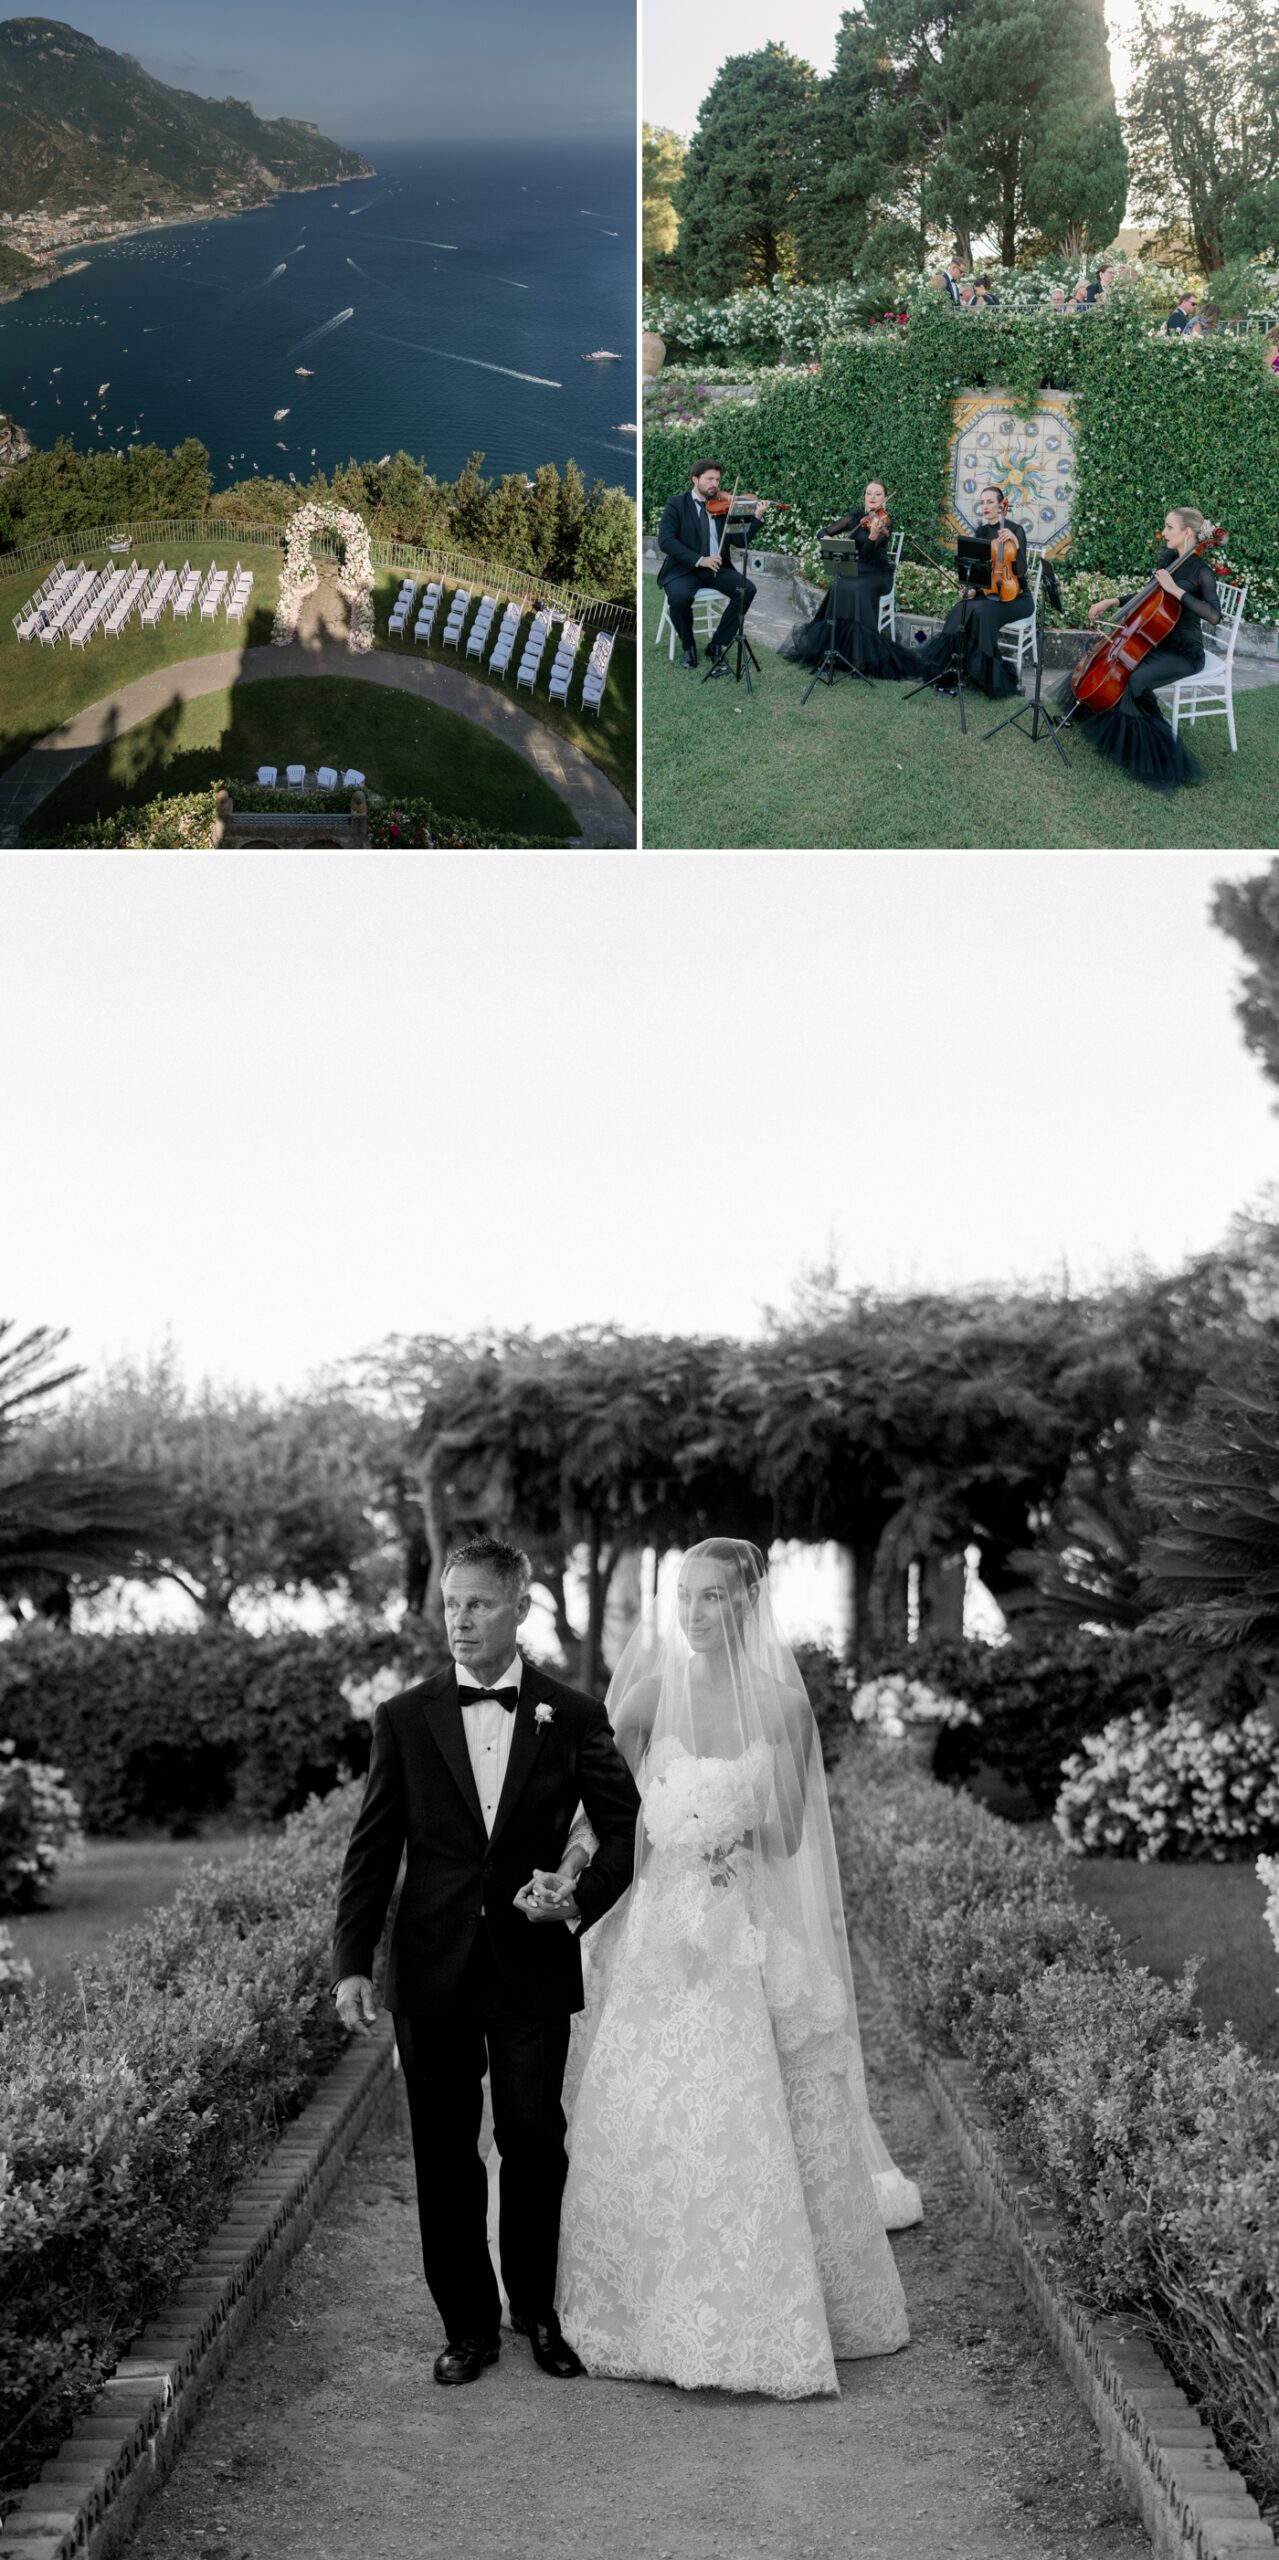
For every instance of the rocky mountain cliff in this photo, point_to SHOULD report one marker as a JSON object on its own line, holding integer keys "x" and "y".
{"x": 82, "y": 126}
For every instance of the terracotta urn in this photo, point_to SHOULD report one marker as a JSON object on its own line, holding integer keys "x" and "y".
{"x": 653, "y": 353}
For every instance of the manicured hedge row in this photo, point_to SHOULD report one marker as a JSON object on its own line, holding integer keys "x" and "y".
{"x": 1157, "y": 2142}
{"x": 171, "y": 1727}
{"x": 1160, "y": 424}
{"x": 126, "y": 2119}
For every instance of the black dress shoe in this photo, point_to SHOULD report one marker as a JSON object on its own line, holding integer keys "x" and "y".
{"x": 689, "y": 658}
{"x": 464, "y": 2359}
{"x": 550, "y": 2348}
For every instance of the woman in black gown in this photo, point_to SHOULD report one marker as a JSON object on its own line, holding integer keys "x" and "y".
{"x": 978, "y": 619}
{"x": 1135, "y": 733}
{"x": 857, "y": 635}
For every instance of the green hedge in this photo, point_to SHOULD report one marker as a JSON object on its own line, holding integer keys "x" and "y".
{"x": 171, "y": 1727}
{"x": 128, "y": 2117}
{"x": 1159, "y": 424}
{"x": 1157, "y": 2143}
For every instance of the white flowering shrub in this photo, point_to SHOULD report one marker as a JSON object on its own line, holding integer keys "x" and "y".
{"x": 39, "y": 1828}
{"x": 1177, "y": 1788}
{"x": 15, "y": 1973}
{"x": 893, "y": 1701}
{"x": 1268, "y": 1872}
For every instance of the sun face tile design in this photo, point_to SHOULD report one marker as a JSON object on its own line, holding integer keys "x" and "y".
{"x": 1032, "y": 458}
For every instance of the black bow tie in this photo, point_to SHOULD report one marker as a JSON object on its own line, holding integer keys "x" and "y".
{"x": 505, "y": 1697}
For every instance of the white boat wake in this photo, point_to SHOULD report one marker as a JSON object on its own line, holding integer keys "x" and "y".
{"x": 448, "y": 357}
{"x": 520, "y": 288}
{"x": 324, "y": 329}
{"x": 360, "y": 271}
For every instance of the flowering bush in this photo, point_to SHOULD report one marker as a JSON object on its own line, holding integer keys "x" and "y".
{"x": 300, "y": 575}
{"x": 39, "y": 1828}
{"x": 412, "y": 826}
{"x": 130, "y": 2115}
{"x": 1181, "y": 1788}
{"x": 1268, "y": 1872}
{"x": 1157, "y": 2144}
{"x": 183, "y": 822}
{"x": 894, "y": 1700}
{"x": 15, "y": 1972}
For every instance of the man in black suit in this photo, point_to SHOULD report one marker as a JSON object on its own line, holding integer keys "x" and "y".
{"x": 694, "y": 556}
{"x": 1180, "y": 318}
{"x": 955, "y": 274}
{"x": 483, "y": 1774}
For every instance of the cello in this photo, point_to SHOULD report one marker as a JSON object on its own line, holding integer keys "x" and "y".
{"x": 1101, "y": 678}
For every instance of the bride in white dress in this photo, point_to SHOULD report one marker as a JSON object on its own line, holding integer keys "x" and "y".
{"x": 727, "y": 2194}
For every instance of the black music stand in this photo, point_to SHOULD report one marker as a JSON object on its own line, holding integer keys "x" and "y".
{"x": 737, "y": 661}
{"x": 1041, "y": 718}
{"x": 972, "y": 567}
{"x": 824, "y": 672}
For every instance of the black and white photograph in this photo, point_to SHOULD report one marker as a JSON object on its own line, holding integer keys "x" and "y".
{"x": 639, "y": 1797}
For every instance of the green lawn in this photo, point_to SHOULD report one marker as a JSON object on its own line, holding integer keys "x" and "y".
{"x": 1168, "y": 1912}
{"x": 40, "y": 688}
{"x": 859, "y": 766}
{"x": 404, "y": 747}
{"x": 610, "y": 737}
{"x": 114, "y": 1884}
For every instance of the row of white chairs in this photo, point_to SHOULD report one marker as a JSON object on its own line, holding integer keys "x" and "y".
{"x": 596, "y": 676}
{"x": 477, "y": 638}
{"x": 326, "y": 777}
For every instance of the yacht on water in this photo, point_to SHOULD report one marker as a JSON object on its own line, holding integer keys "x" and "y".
{"x": 305, "y": 372}
{"x": 602, "y": 355}
{"x": 280, "y": 413}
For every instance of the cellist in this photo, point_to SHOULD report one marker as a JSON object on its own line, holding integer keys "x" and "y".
{"x": 975, "y": 622}
{"x": 1134, "y": 732}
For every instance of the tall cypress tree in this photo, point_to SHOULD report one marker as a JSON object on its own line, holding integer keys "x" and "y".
{"x": 738, "y": 198}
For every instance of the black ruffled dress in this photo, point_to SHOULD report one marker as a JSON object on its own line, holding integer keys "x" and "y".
{"x": 858, "y": 637}
{"x": 1136, "y": 734}
{"x": 980, "y": 619}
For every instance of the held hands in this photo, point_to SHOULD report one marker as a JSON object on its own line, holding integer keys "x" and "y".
{"x": 547, "y": 1897}
{"x": 355, "y": 2005}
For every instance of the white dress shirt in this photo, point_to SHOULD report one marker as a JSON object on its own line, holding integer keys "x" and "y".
{"x": 488, "y": 1727}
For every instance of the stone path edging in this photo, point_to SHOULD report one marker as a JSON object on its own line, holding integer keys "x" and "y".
{"x": 90, "y": 2495}
{"x": 1193, "y": 2506}
{"x": 603, "y": 815}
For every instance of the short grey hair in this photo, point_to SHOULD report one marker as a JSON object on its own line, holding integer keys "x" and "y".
{"x": 497, "y": 1556}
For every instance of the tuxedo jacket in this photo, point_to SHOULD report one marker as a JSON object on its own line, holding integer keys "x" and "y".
{"x": 679, "y": 539}
{"x": 420, "y": 1797}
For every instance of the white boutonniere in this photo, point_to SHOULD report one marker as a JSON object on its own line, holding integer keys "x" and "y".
{"x": 544, "y": 1713}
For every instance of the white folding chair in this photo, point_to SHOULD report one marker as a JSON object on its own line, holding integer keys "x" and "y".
{"x": 708, "y": 607}
{"x": 888, "y": 604}
{"x": 295, "y": 776}
{"x": 268, "y": 776}
{"x": 1210, "y": 695}
{"x": 351, "y": 780}
{"x": 1020, "y": 639}
{"x": 326, "y": 777}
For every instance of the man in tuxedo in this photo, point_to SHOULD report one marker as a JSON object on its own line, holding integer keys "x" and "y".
{"x": 955, "y": 274}
{"x": 483, "y": 1774}
{"x": 694, "y": 556}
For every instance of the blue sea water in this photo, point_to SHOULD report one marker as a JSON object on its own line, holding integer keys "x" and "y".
{"x": 443, "y": 306}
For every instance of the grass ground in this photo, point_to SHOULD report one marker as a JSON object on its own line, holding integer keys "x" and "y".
{"x": 1168, "y": 1913}
{"x": 610, "y": 739}
{"x": 115, "y": 1883}
{"x": 405, "y": 747}
{"x": 40, "y": 688}
{"x": 862, "y": 767}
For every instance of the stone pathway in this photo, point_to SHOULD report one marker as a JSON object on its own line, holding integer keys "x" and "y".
{"x": 598, "y": 806}
{"x": 329, "y": 2438}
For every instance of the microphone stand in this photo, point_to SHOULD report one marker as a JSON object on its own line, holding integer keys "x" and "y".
{"x": 737, "y": 661}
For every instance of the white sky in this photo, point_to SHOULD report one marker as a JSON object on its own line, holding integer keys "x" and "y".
{"x": 284, "y": 1107}
{"x": 678, "y": 69}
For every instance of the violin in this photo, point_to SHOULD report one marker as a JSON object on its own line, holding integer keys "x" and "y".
{"x": 722, "y": 506}
{"x": 1004, "y": 581}
{"x": 875, "y": 522}
{"x": 1101, "y": 678}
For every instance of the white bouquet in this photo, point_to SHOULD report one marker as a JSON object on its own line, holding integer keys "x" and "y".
{"x": 703, "y": 1806}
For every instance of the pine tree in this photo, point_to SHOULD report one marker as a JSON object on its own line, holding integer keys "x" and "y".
{"x": 739, "y": 196}
{"x": 508, "y": 536}
{"x": 572, "y": 508}
{"x": 544, "y": 515}
{"x": 1203, "y": 126}
{"x": 470, "y": 505}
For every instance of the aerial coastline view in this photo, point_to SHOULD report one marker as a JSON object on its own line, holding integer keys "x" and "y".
{"x": 398, "y": 284}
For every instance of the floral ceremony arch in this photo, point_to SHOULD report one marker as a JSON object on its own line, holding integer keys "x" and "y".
{"x": 299, "y": 576}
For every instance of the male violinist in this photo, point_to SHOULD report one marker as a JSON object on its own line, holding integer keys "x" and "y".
{"x": 696, "y": 554}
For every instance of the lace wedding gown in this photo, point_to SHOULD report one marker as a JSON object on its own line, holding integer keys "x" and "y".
{"x": 720, "y": 2221}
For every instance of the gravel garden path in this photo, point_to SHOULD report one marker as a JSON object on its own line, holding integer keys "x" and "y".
{"x": 328, "y": 2439}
